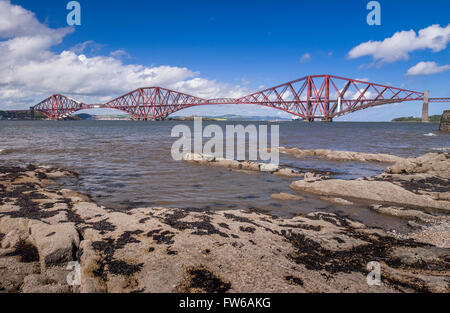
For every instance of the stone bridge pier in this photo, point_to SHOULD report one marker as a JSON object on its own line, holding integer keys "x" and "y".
{"x": 426, "y": 101}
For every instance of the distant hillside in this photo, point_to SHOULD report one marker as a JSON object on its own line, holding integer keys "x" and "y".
{"x": 84, "y": 116}
{"x": 231, "y": 117}
{"x": 24, "y": 116}
{"x": 433, "y": 118}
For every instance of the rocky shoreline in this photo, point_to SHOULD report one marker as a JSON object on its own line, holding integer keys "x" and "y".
{"x": 333, "y": 155}
{"x": 43, "y": 229}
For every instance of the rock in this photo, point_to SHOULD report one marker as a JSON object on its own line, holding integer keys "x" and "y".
{"x": 13, "y": 272}
{"x": 405, "y": 213}
{"x": 241, "y": 166}
{"x": 8, "y": 224}
{"x": 250, "y": 166}
{"x": 333, "y": 155}
{"x": 312, "y": 177}
{"x": 76, "y": 197}
{"x": 413, "y": 224}
{"x": 288, "y": 172}
{"x": 337, "y": 200}
{"x": 90, "y": 262}
{"x": 437, "y": 234}
{"x": 55, "y": 243}
{"x": 192, "y": 157}
{"x": 445, "y": 122}
{"x": 13, "y": 238}
{"x": 37, "y": 284}
{"x": 269, "y": 167}
{"x": 166, "y": 249}
{"x": 380, "y": 192}
{"x": 199, "y": 157}
{"x": 441, "y": 196}
{"x": 287, "y": 196}
{"x": 430, "y": 163}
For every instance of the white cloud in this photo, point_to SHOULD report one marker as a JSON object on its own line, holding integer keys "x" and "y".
{"x": 399, "y": 46}
{"x": 30, "y": 71}
{"x": 90, "y": 46}
{"x": 427, "y": 68}
{"x": 15, "y": 21}
{"x": 306, "y": 57}
{"x": 244, "y": 81}
{"x": 120, "y": 54}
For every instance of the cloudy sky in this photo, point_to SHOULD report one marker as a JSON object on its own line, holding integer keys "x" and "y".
{"x": 220, "y": 49}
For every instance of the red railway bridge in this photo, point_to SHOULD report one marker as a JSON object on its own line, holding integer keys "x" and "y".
{"x": 315, "y": 97}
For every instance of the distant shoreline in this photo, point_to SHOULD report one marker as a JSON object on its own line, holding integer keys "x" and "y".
{"x": 224, "y": 118}
{"x": 432, "y": 118}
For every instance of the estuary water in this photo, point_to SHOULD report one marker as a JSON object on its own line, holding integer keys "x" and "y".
{"x": 126, "y": 164}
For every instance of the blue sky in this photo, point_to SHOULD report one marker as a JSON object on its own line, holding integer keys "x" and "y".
{"x": 240, "y": 46}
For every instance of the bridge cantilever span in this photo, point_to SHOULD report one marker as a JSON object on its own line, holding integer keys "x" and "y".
{"x": 312, "y": 97}
{"x": 58, "y": 107}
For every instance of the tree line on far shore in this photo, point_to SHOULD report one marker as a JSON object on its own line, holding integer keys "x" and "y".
{"x": 433, "y": 118}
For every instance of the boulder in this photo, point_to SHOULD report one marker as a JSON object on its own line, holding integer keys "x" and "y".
{"x": 252, "y": 166}
{"x": 445, "y": 122}
{"x": 287, "y": 196}
{"x": 430, "y": 163}
{"x": 55, "y": 243}
{"x": 269, "y": 167}
{"x": 288, "y": 172}
{"x": 312, "y": 177}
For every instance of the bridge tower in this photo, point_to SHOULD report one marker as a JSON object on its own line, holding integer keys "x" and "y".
{"x": 309, "y": 104}
{"x": 426, "y": 101}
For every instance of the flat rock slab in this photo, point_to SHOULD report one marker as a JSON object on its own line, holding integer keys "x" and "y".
{"x": 287, "y": 196}
{"x": 382, "y": 192}
{"x": 333, "y": 155}
{"x": 244, "y": 166}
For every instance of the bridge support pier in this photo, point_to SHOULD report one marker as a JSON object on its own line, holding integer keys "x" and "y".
{"x": 426, "y": 101}
{"x": 12, "y": 115}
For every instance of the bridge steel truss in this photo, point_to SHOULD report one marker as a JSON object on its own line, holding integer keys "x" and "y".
{"x": 326, "y": 97}
{"x": 58, "y": 107}
{"x": 153, "y": 103}
{"x": 312, "y": 97}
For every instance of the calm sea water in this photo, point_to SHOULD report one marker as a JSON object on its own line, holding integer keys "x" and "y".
{"x": 128, "y": 163}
